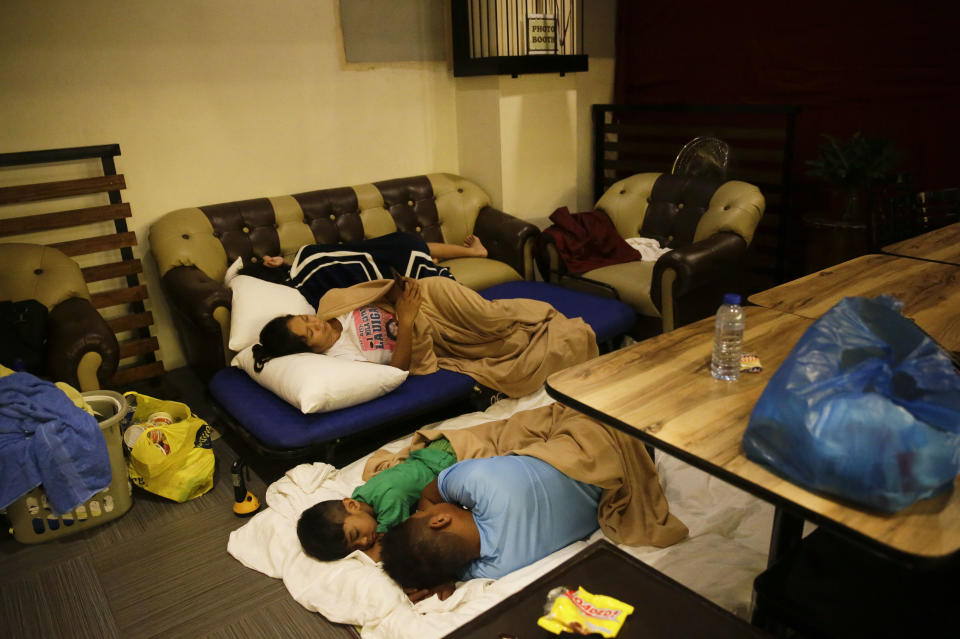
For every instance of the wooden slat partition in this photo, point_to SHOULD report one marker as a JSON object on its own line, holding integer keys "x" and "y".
{"x": 65, "y": 188}
{"x": 63, "y": 219}
{"x": 130, "y": 322}
{"x": 134, "y": 347}
{"x": 142, "y": 346}
{"x": 630, "y": 139}
{"x": 97, "y": 244}
{"x": 128, "y": 375}
{"x": 110, "y": 271}
{"x": 119, "y": 296}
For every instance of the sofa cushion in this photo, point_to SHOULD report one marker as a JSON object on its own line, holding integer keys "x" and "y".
{"x": 480, "y": 272}
{"x": 632, "y": 280}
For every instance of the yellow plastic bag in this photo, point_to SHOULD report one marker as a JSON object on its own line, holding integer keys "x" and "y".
{"x": 174, "y": 460}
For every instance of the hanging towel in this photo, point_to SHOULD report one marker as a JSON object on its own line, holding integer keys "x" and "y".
{"x": 46, "y": 439}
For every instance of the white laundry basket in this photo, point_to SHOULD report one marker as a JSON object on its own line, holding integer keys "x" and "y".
{"x": 31, "y": 517}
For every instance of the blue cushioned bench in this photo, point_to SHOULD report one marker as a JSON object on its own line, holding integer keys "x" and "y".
{"x": 609, "y": 318}
{"x": 275, "y": 428}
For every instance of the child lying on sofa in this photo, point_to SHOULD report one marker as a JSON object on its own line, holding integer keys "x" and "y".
{"x": 332, "y": 529}
{"x": 509, "y": 345}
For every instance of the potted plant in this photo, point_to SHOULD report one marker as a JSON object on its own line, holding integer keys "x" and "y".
{"x": 852, "y": 168}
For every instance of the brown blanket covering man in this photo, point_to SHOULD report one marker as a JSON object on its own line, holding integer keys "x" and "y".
{"x": 633, "y": 509}
{"x": 508, "y": 345}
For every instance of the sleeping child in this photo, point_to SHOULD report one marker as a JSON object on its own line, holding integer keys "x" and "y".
{"x": 334, "y": 528}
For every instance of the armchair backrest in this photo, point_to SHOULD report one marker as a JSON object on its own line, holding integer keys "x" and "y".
{"x": 438, "y": 207}
{"x": 42, "y": 273}
{"x": 682, "y": 210}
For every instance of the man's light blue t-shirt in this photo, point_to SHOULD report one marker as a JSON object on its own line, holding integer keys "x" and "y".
{"x": 524, "y": 508}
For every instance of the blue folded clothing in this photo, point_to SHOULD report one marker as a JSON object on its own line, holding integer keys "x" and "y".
{"x": 46, "y": 439}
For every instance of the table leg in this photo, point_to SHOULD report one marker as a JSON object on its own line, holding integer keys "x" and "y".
{"x": 787, "y": 533}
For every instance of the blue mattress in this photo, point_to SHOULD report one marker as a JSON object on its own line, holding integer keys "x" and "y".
{"x": 279, "y": 427}
{"x": 607, "y": 317}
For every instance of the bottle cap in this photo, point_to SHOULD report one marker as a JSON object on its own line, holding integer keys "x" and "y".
{"x": 731, "y": 298}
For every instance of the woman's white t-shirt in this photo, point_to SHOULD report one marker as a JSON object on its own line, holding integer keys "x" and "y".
{"x": 369, "y": 335}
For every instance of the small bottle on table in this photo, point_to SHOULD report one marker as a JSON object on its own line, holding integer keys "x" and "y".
{"x": 728, "y": 339}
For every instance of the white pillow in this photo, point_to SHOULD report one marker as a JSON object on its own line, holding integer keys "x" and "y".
{"x": 256, "y": 302}
{"x": 232, "y": 270}
{"x": 319, "y": 383}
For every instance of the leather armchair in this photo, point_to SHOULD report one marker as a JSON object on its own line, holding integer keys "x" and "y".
{"x": 708, "y": 227}
{"x": 81, "y": 349}
{"x": 194, "y": 247}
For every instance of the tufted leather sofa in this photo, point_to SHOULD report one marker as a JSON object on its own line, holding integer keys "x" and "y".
{"x": 82, "y": 350}
{"x": 708, "y": 225}
{"x": 193, "y": 247}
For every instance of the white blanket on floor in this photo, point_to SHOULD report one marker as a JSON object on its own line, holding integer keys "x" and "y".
{"x": 729, "y": 535}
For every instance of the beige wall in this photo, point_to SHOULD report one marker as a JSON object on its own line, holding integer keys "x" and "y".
{"x": 528, "y": 140}
{"x": 215, "y": 101}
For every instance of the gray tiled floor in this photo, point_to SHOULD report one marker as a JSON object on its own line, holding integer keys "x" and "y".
{"x": 161, "y": 570}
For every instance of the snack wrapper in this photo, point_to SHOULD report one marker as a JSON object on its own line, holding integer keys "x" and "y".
{"x": 750, "y": 363}
{"x": 580, "y": 612}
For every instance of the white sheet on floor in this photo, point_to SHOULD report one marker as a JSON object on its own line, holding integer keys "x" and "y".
{"x": 729, "y": 536}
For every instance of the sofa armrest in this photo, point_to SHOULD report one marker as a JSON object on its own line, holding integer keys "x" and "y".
{"x": 76, "y": 328}
{"x": 195, "y": 298}
{"x": 548, "y": 260}
{"x": 507, "y": 239}
{"x": 699, "y": 263}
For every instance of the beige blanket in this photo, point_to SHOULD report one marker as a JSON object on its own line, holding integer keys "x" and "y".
{"x": 508, "y": 345}
{"x": 633, "y": 509}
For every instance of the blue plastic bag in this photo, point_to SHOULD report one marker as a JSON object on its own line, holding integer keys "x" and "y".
{"x": 866, "y": 407}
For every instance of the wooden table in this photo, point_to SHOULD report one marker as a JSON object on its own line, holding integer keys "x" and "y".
{"x": 939, "y": 245}
{"x": 662, "y": 607}
{"x": 930, "y": 292}
{"x": 661, "y": 391}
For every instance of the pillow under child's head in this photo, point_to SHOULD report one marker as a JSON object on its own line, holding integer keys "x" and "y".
{"x": 255, "y": 303}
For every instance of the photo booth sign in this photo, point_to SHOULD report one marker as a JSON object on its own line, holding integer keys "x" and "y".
{"x": 541, "y": 33}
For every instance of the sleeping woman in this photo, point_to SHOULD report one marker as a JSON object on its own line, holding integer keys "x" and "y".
{"x": 422, "y": 325}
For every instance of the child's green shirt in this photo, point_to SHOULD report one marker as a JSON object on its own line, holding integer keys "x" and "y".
{"x": 394, "y": 492}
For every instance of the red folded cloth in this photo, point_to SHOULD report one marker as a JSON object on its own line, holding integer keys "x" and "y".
{"x": 588, "y": 240}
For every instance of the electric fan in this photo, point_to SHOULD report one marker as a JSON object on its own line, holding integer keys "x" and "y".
{"x": 702, "y": 157}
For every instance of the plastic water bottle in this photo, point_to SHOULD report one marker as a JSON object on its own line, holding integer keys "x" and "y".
{"x": 728, "y": 339}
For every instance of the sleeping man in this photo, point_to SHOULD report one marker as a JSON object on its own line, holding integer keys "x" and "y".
{"x": 491, "y": 516}
{"x": 525, "y": 487}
